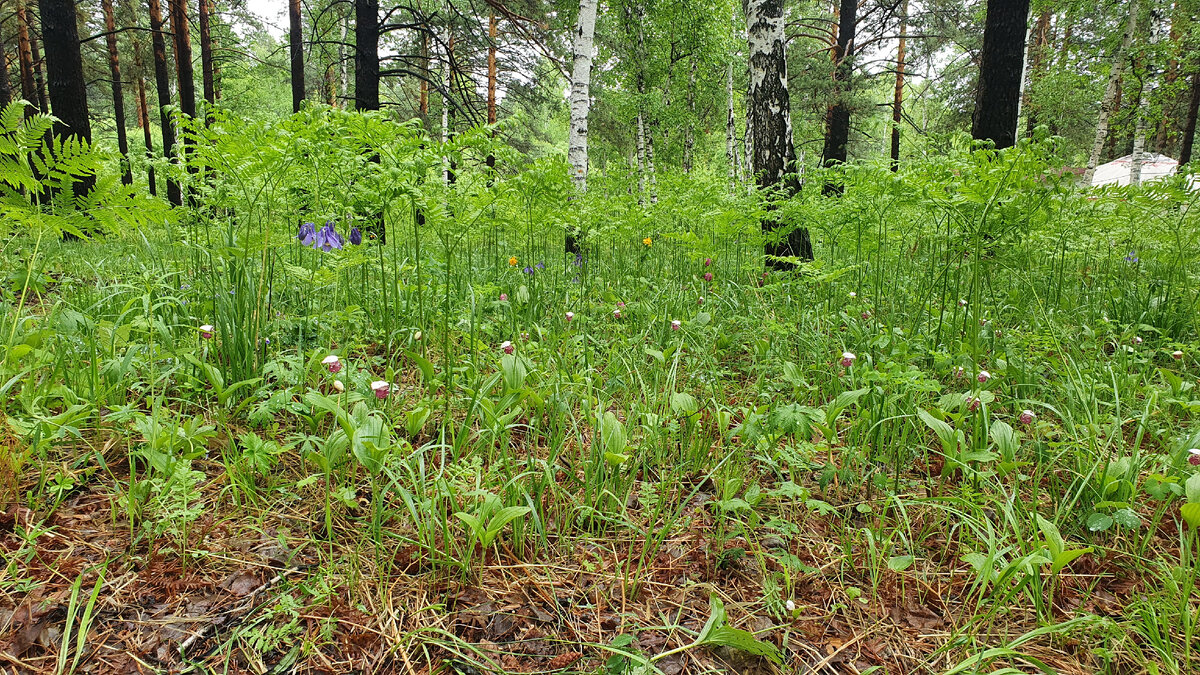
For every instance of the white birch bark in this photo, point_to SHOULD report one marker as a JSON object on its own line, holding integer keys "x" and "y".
{"x": 1139, "y": 149}
{"x": 653, "y": 184}
{"x": 730, "y": 130}
{"x": 689, "y": 134}
{"x": 1110, "y": 94}
{"x": 581, "y": 75}
{"x": 345, "y": 83}
{"x": 641, "y": 159}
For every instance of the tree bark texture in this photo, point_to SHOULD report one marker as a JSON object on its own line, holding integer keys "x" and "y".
{"x": 1001, "y": 64}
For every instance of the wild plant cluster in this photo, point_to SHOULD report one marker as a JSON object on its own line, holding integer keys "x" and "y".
{"x": 975, "y": 407}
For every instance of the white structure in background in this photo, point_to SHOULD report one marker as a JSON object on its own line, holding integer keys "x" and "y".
{"x": 1118, "y": 171}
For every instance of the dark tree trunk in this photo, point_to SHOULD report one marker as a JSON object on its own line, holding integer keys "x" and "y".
{"x": 1110, "y": 141}
{"x": 144, "y": 116}
{"x": 366, "y": 54}
{"x": 452, "y": 82}
{"x": 998, "y": 96}
{"x": 183, "y": 57}
{"x": 898, "y": 94}
{"x": 423, "y": 105}
{"x": 5, "y": 89}
{"x": 1168, "y": 122}
{"x": 491, "y": 82}
{"x": 185, "y": 74}
{"x": 216, "y": 65}
{"x": 296, "y": 50}
{"x": 162, "y": 81}
{"x": 207, "y": 74}
{"x": 43, "y": 101}
{"x": 1037, "y": 56}
{"x": 768, "y": 109}
{"x": 118, "y": 95}
{"x": 1189, "y": 126}
{"x": 25, "y": 58}
{"x": 64, "y": 65}
{"x": 838, "y": 133}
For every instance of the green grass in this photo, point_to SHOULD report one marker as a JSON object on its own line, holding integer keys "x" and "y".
{"x": 592, "y": 500}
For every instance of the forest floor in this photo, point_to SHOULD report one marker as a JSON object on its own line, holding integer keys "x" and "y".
{"x": 262, "y": 590}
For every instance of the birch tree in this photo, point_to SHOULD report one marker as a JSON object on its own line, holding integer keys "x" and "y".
{"x": 1110, "y": 93}
{"x": 730, "y": 129}
{"x": 769, "y": 116}
{"x": 581, "y": 76}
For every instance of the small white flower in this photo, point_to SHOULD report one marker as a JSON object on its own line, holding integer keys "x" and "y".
{"x": 1177, "y": 355}
{"x": 337, "y": 384}
{"x": 570, "y": 315}
{"x": 676, "y": 324}
{"x": 791, "y": 606}
{"x": 848, "y": 359}
{"x": 984, "y": 376}
{"x": 852, "y": 295}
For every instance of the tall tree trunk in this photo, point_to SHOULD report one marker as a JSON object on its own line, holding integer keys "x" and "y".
{"x": 162, "y": 81}
{"x": 1001, "y": 64}
{"x": 730, "y": 129}
{"x": 837, "y": 135}
{"x": 581, "y": 77}
{"x": 25, "y": 58}
{"x": 643, "y": 125}
{"x": 186, "y": 76}
{"x": 641, "y": 159}
{"x": 296, "y": 50}
{"x": 1189, "y": 125}
{"x": 44, "y": 102}
{"x": 1037, "y": 52}
{"x": 207, "y": 71}
{"x": 1166, "y": 121}
{"x": 341, "y": 52}
{"x": 651, "y": 179}
{"x": 181, "y": 30}
{"x": 747, "y": 165}
{"x": 769, "y": 111}
{"x": 446, "y": 105}
{"x": 216, "y": 65}
{"x": 1110, "y": 93}
{"x": 366, "y": 54}
{"x": 493, "y": 33}
{"x": 689, "y": 131}
{"x": 144, "y": 123}
{"x": 64, "y": 66}
{"x": 118, "y": 95}
{"x": 5, "y": 88}
{"x": 898, "y": 95}
{"x": 1139, "y": 149}
{"x": 1118, "y": 109}
{"x": 427, "y": 72}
